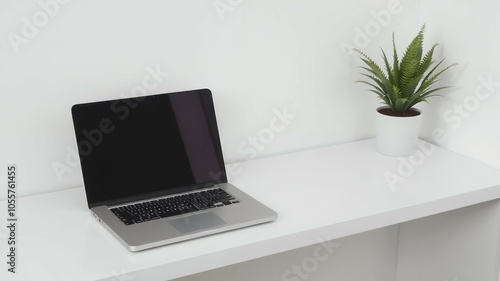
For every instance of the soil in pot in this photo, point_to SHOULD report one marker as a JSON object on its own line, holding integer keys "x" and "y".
{"x": 389, "y": 112}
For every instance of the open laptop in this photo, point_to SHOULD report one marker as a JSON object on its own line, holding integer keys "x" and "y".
{"x": 153, "y": 170}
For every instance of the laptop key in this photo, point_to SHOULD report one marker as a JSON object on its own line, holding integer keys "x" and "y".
{"x": 168, "y": 214}
{"x": 190, "y": 209}
{"x": 127, "y": 221}
{"x": 172, "y": 206}
{"x": 163, "y": 214}
{"x": 201, "y": 205}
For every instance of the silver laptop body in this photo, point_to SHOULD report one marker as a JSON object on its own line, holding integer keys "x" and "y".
{"x": 142, "y": 155}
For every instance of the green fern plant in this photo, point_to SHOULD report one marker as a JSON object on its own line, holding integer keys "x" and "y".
{"x": 407, "y": 82}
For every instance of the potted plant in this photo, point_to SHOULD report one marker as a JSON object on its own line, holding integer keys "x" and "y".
{"x": 402, "y": 85}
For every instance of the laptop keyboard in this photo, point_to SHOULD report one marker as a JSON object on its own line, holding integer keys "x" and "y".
{"x": 172, "y": 206}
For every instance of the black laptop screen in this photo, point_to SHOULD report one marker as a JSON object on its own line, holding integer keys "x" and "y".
{"x": 148, "y": 146}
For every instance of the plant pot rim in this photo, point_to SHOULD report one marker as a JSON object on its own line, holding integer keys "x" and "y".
{"x": 391, "y": 116}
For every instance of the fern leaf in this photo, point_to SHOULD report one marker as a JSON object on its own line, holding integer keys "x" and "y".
{"x": 429, "y": 80}
{"x": 407, "y": 75}
{"x": 377, "y": 88}
{"x": 390, "y": 75}
{"x": 408, "y": 81}
{"x": 413, "y": 100}
{"x": 413, "y": 51}
{"x": 426, "y": 61}
{"x": 400, "y": 104}
{"x": 428, "y": 93}
{"x": 395, "y": 63}
{"x": 376, "y": 80}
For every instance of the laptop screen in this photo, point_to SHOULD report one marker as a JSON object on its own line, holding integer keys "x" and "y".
{"x": 141, "y": 147}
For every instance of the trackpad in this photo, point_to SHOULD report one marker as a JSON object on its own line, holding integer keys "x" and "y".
{"x": 197, "y": 222}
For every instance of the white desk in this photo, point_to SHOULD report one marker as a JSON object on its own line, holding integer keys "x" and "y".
{"x": 319, "y": 194}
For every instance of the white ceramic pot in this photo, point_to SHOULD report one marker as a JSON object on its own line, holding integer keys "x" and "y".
{"x": 397, "y": 136}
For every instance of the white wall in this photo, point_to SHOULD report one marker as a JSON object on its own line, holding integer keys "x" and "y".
{"x": 258, "y": 58}
{"x": 468, "y": 115}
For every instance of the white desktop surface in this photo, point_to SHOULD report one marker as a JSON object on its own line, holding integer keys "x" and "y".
{"x": 319, "y": 194}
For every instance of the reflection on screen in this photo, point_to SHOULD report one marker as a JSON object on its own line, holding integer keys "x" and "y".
{"x": 133, "y": 147}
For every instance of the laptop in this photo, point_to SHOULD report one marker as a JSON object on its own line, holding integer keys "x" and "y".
{"x": 154, "y": 172}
